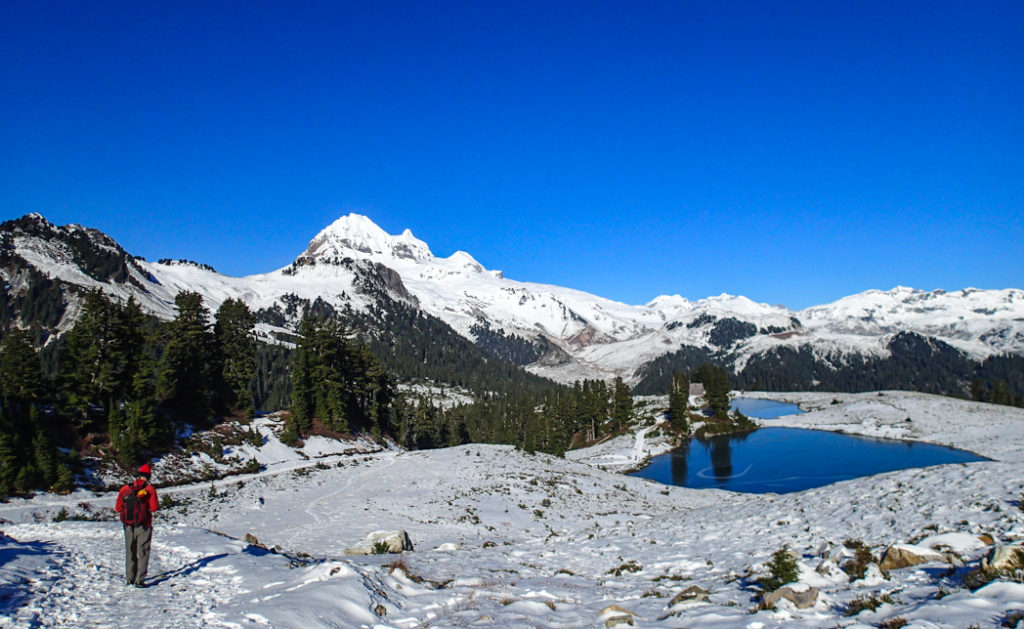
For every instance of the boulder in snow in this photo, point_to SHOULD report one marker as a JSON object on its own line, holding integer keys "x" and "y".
{"x": 252, "y": 540}
{"x": 692, "y": 594}
{"x": 380, "y": 542}
{"x": 1004, "y": 559}
{"x": 615, "y": 616}
{"x": 802, "y": 596}
{"x": 904, "y": 556}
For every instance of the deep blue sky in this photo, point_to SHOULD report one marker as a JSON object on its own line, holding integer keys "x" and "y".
{"x": 792, "y": 152}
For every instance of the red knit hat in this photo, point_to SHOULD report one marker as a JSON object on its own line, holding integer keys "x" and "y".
{"x": 145, "y": 470}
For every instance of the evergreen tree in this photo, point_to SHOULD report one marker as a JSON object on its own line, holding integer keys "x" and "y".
{"x": 716, "y": 388}
{"x": 622, "y": 405}
{"x": 45, "y": 458}
{"x": 9, "y": 463}
{"x": 186, "y": 382}
{"x": 1000, "y": 394}
{"x": 86, "y": 369}
{"x": 339, "y": 382}
{"x": 236, "y": 344}
{"x": 679, "y": 401}
{"x": 977, "y": 390}
{"x": 21, "y": 373}
{"x": 22, "y": 390}
{"x": 128, "y": 355}
{"x": 302, "y": 385}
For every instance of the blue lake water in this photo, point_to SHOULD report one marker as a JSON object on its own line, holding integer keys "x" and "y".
{"x": 764, "y": 409}
{"x": 783, "y": 460}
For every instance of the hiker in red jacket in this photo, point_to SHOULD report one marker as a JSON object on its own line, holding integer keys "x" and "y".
{"x": 136, "y": 503}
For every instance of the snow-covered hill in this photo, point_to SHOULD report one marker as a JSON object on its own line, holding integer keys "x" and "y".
{"x": 575, "y": 334}
{"x": 507, "y": 539}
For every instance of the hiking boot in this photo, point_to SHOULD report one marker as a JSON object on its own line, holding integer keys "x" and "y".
{"x": 140, "y": 584}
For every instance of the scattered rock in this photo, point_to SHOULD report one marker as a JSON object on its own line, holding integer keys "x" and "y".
{"x": 614, "y": 608}
{"x": 986, "y": 539}
{"x": 380, "y": 610}
{"x": 615, "y": 616}
{"x": 903, "y": 556}
{"x": 393, "y": 541}
{"x": 692, "y": 594}
{"x": 802, "y": 598}
{"x": 1004, "y": 559}
{"x": 252, "y": 540}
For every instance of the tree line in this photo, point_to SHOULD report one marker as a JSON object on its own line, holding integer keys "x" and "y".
{"x": 123, "y": 386}
{"x": 552, "y": 421}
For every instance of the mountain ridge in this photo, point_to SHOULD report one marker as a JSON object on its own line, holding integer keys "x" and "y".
{"x": 573, "y": 334}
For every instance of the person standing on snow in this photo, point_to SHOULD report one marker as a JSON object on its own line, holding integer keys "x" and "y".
{"x": 136, "y": 503}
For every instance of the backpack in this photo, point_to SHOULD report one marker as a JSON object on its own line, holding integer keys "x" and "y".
{"x": 136, "y": 509}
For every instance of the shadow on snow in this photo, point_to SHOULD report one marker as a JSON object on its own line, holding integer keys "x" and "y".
{"x": 185, "y": 570}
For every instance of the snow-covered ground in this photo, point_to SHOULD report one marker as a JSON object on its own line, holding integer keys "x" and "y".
{"x": 993, "y": 431}
{"x": 507, "y": 539}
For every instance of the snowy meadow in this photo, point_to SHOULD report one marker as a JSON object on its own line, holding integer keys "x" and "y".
{"x": 503, "y": 538}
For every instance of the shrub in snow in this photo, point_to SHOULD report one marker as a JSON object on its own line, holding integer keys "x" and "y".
{"x": 629, "y": 566}
{"x": 782, "y": 570}
{"x": 382, "y": 542}
{"x": 862, "y": 558}
{"x": 870, "y": 603}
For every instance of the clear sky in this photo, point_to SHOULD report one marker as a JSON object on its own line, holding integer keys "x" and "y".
{"x": 792, "y": 152}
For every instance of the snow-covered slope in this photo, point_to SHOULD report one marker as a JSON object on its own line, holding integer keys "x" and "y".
{"x": 607, "y": 337}
{"x": 507, "y": 539}
{"x": 593, "y": 336}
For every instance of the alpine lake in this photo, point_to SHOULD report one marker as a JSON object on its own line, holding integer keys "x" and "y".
{"x": 784, "y": 460}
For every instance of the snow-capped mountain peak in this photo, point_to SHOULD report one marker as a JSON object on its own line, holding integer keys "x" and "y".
{"x": 668, "y": 301}
{"x": 355, "y": 234}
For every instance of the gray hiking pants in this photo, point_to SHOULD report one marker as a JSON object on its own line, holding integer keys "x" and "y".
{"x": 137, "y": 540}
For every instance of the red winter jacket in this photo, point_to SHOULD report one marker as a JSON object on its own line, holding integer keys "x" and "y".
{"x": 145, "y": 491}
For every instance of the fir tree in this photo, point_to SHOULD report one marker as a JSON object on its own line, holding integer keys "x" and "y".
{"x": 21, "y": 373}
{"x": 9, "y": 463}
{"x": 86, "y": 378}
{"x": 236, "y": 344}
{"x": 45, "y": 459}
{"x": 679, "y": 401}
{"x": 622, "y": 405}
{"x": 128, "y": 354}
{"x": 186, "y": 382}
{"x": 977, "y": 390}
{"x": 716, "y": 388}
{"x": 339, "y": 382}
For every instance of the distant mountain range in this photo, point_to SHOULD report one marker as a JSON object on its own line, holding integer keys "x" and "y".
{"x": 934, "y": 341}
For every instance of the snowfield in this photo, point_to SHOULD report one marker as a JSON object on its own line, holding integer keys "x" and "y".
{"x": 508, "y": 539}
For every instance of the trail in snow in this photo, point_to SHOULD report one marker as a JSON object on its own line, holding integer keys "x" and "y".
{"x": 82, "y": 582}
